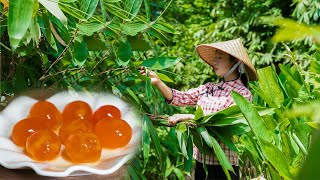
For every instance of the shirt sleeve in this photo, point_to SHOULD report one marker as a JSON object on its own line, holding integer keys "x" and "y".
{"x": 187, "y": 98}
{"x": 243, "y": 92}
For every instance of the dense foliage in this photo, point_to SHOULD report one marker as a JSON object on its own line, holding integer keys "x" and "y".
{"x": 83, "y": 45}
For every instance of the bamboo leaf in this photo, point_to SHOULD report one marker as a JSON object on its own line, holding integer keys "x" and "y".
{"x": 146, "y": 143}
{"x": 156, "y": 141}
{"x": 198, "y": 114}
{"x": 211, "y": 142}
{"x": 160, "y": 62}
{"x": 53, "y": 8}
{"x": 20, "y": 15}
{"x": 293, "y": 83}
{"x": 269, "y": 85}
{"x": 255, "y": 121}
{"x": 133, "y": 95}
{"x": 147, "y": 8}
{"x": 178, "y": 173}
{"x": 164, "y": 27}
{"x": 90, "y": 27}
{"x": 46, "y": 30}
{"x": 132, "y": 29}
{"x": 133, "y": 7}
{"x": 188, "y": 161}
{"x": 164, "y": 77}
{"x": 276, "y": 158}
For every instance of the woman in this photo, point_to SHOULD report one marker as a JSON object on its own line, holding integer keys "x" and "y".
{"x": 231, "y": 62}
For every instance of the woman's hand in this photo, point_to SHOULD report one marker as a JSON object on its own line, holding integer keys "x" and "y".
{"x": 173, "y": 120}
{"x": 153, "y": 76}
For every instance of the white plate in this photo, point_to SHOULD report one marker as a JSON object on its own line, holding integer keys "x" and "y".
{"x": 12, "y": 157}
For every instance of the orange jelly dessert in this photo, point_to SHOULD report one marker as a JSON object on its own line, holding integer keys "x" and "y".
{"x": 113, "y": 133}
{"x": 76, "y": 110}
{"x": 43, "y": 145}
{"x": 25, "y": 128}
{"x": 83, "y": 148}
{"x": 75, "y": 126}
{"x": 106, "y": 112}
{"x": 48, "y": 112}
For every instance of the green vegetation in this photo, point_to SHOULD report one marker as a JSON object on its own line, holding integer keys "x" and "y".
{"x": 82, "y": 45}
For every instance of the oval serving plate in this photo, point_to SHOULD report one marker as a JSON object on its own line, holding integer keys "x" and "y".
{"x": 12, "y": 156}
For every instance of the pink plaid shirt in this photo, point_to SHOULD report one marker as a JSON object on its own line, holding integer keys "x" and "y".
{"x": 211, "y": 98}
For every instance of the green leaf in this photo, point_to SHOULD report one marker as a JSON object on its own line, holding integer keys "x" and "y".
{"x": 111, "y": 1}
{"x": 5, "y": 86}
{"x": 19, "y": 82}
{"x": 269, "y": 85}
{"x": 88, "y": 7}
{"x": 132, "y": 7}
{"x": 147, "y": 8}
{"x": 148, "y": 88}
{"x": 53, "y": 8}
{"x": 94, "y": 43}
{"x": 80, "y": 53}
{"x": 133, "y": 95}
{"x": 35, "y": 31}
{"x": 160, "y": 62}
{"x": 117, "y": 11}
{"x": 156, "y": 141}
{"x": 90, "y": 27}
{"x": 276, "y": 158}
{"x": 164, "y": 77}
{"x": 20, "y": 15}
{"x": 178, "y": 173}
{"x": 293, "y": 83}
{"x": 46, "y": 30}
{"x": 182, "y": 143}
{"x": 274, "y": 175}
{"x": 164, "y": 27}
{"x": 188, "y": 161}
{"x": 138, "y": 44}
{"x": 124, "y": 53}
{"x": 211, "y": 142}
{"x": 146, "y": 143}
{"x": 255, "y": 121}
{"x": 199, "y": 113}
{"x": 132, "y": 29}
{"x": 309, "y": 170}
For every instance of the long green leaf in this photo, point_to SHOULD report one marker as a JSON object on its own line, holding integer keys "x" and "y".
{"x": 276, "y": 158}
{"x": 145, "y": 143}
{"x": 269, "y": 85}
{"x": 255, "y": 121}
{"x": 293, "y": 83}
{"x": 133, "y": 7}
{"x": 53, "y": 8}
{"x": 188, "y": 161}
{"x": 20, "y": 15}
{"x": 147, "y": 8}
{"x": 213, "y": 143}
{"x": 160, "y": 62}
{"x": 133, "y": 29}
{"x": 88, "y": 7}
{"x": 156, "y": 141}
{"x": 45, "y": 28}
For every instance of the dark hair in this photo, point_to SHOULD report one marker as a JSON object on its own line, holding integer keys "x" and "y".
{"x": 244, "y": 80}
{"x": 243, "y": 77}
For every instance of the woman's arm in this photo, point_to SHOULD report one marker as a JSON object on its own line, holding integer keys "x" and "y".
{"x": 155, "y": 80}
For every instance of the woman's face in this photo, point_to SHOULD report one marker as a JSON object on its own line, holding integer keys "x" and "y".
{"x": 221, "y": 63}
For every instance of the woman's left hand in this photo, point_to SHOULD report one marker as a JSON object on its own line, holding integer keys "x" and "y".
{"x": 173, "y": 120}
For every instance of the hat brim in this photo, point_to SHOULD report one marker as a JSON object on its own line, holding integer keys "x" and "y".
{"x": 207, "y": 52}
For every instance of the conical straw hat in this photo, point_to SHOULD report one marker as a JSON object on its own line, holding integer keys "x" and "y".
{"x": 234, "y": 48}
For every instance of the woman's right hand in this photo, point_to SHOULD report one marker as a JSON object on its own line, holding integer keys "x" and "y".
{"x": 153, "y": 76}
